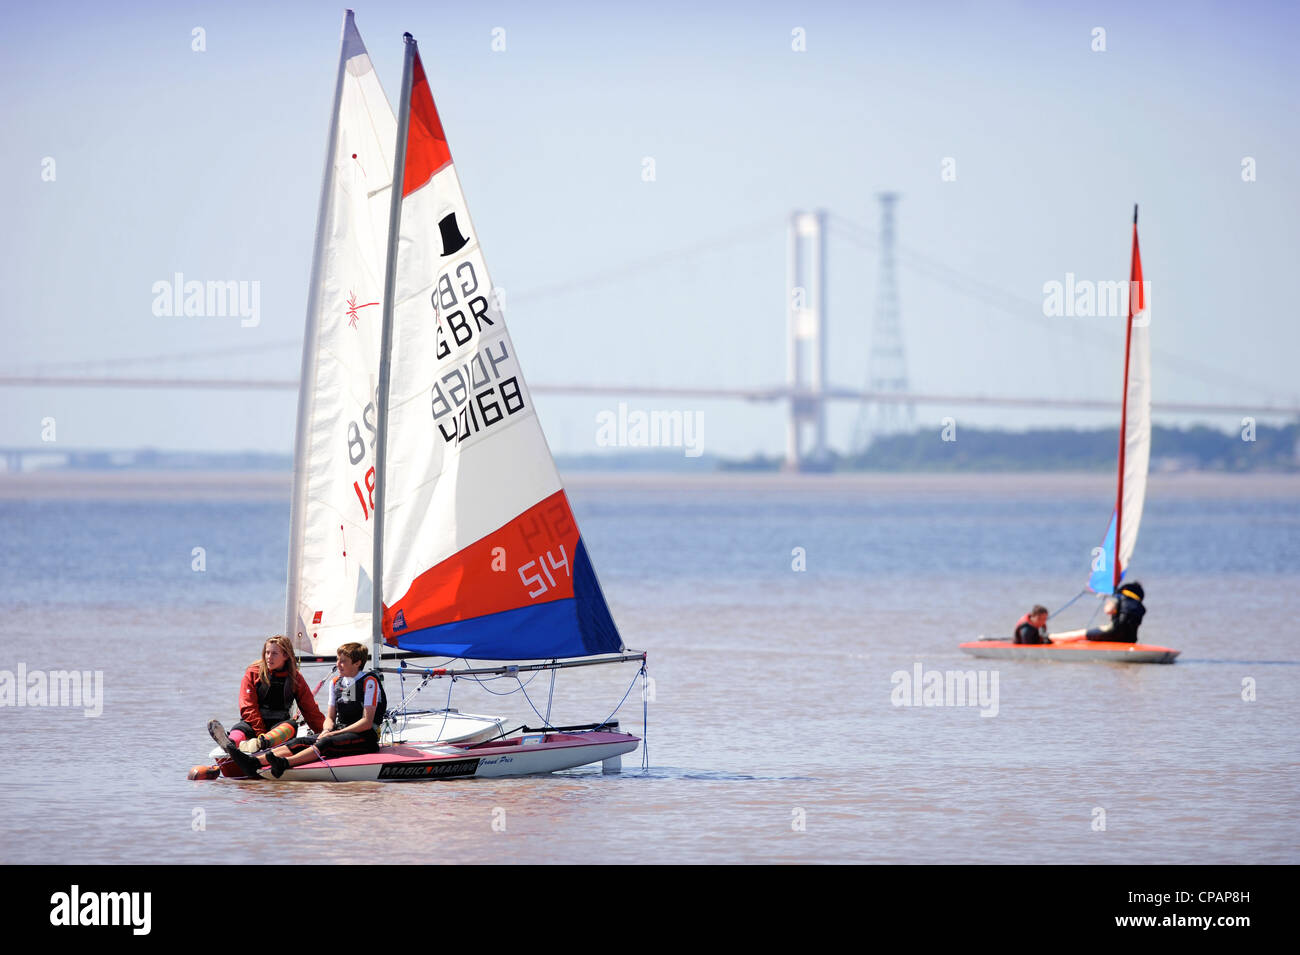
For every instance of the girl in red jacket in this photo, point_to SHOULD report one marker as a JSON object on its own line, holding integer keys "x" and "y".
{"x": 270, "y": 687}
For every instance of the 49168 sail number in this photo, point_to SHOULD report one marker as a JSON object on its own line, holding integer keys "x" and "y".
{"x": 473, "y": 396}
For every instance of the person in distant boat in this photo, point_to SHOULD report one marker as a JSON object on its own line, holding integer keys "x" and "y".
{"x": 1126, "y": 610}
{"x": 357, "y": 705}
{"x": 271, "y": 686}
{"x": 1032, "y": 627}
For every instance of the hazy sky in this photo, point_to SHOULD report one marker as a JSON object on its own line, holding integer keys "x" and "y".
{"x": 208, "y": 163}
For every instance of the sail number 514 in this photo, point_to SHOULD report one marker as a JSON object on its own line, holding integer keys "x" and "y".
{"x": 541, "y": 562}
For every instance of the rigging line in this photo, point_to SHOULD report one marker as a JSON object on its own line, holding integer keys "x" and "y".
{"x": 1014, "y": 305}
{"x": 175, "y": 356}
{"x": 325, "y": 761}
{"x": 748, "y": 233}
{"x": 390, "y": 719}
{"x": 408, "y": 697}
{"x": 974, "y": 288}
{"x": 546, "y": 720}
{"x": 446, "y": 710}
{"x": 1067, "y": 603}
{"x": 645, "y": 720}
{"x": 504, "y": 676}
{"x": 988, "y": 295}
{"x": 550, "y": 696}
{"x": 635, "y": 677}
{"x": 1095, "y": 610}
{"x": 328, "y": 766}
{"x": 502, "y": 735}
{"x": 404, "y": 705}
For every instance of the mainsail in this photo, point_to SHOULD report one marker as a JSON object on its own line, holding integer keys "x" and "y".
{"x": 1135, "y": 435}
{"x": 332, "y": 517}
{"x": 480, "y": 555}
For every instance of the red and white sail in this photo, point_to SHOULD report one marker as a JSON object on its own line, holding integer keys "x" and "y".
{"x": 1135, "y": 449}
{"x": 481, "y": 556}
{"x": 1135, "y": 436}
{"x": 331, "y": 527}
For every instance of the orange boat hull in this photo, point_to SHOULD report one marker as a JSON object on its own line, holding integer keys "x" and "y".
{"x": 1077, "y": 651}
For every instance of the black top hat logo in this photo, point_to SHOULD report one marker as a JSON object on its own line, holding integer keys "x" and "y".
{"x": 452, "y": 240}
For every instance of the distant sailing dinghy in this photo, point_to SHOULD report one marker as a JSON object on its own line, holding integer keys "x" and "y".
{"x": 1121, "y": 537}
{"x": 428, "y": 515}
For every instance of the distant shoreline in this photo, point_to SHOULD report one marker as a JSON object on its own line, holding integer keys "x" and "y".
{"x": 276, "y": 485}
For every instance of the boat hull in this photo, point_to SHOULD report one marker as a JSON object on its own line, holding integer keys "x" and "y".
{"x": 530, "y": 755}
{"x": 415, "y": 728}
{"x": 1079, "y": 651}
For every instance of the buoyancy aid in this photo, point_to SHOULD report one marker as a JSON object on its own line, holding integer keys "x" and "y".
{"x": 276, "y": 699}
{"x": 1130, "y": 610}
{"x": 1037, "y": 632}
{"x": 349, "y": 704}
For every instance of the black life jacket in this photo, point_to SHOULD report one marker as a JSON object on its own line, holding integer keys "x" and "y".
{"x": 352, "y": 709}
{"x": 276, "y": 698}
{"x": 1129, "y": 612}
{"x": 1030, "y": 634}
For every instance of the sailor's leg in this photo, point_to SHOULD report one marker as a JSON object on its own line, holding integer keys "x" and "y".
{"x": 285, "y": 756}
{"x": 280, "y": 733}
{"x": 241, "y": 731}
{"x": 1068, "y": 636}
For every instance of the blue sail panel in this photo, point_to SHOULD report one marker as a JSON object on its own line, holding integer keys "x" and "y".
{"x": 576, "y": 626}
{"x": 1102, "y": 580}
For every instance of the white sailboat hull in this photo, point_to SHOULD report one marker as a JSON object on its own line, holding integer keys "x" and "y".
{"x": 432, "y": 726}
{"x": 546, "y": 753}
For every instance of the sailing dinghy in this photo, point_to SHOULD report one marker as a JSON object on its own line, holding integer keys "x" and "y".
{"x": 468, "y": 547}
{"x": 1112, "y": 558}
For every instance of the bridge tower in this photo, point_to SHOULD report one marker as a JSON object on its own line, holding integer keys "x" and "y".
{"x": 886, "y": 361}
{"x": 806, "y": 337}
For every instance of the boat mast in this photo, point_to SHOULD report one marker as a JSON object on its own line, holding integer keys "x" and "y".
{"x": 1123, "y": 415}
{"x": 307, "y": 378}
{"x": 386, "y": 347}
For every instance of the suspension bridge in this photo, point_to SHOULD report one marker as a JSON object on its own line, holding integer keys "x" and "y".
{"x": 886, "y": 402}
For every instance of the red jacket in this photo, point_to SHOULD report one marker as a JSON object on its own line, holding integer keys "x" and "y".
{"x": 252, "y": 715}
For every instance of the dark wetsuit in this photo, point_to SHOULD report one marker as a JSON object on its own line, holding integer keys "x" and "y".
{"x": 1123, "y": 627}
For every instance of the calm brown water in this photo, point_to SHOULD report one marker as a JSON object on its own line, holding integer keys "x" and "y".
{"x": 772, "y": 734}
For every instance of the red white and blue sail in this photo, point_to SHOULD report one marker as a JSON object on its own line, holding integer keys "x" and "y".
{"x": 1135, "y": 436}
{"x": 331, "y": 524}
{"x": 481, "y": 555}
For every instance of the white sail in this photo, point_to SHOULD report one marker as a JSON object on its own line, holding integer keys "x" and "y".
{"x": 481, "y": 555}
{"x": 1110, "y": 561}
{"x": 331, "y": 527}
{"x": 1137, "y": 431}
